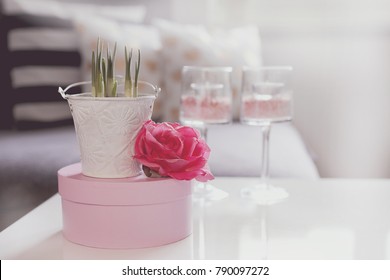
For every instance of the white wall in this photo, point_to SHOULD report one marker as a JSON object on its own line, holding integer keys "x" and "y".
{"x": 342, "y": 98}
{"x": 341, "y": 56}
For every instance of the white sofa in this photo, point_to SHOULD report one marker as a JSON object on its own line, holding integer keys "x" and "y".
{"x": 237, "y": 150}
{"x": 30, "y": 159}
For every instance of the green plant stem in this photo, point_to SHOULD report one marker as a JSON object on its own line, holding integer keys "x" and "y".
{"x": 137, "y": 66}
{"x": 93, "y": 75}
{"x": 128, "y": 81}
{"x": 103, "y": 82}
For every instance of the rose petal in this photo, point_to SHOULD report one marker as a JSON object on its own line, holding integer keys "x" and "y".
{"x": 201, "y": 175}
{"x": 206, "y": 176}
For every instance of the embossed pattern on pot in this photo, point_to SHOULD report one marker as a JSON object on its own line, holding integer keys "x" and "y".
{"x": 106, "y": 130}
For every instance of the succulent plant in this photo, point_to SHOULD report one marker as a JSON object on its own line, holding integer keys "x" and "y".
{"x": 131, "y": 90}
{"x": 128, "y": 81}
{"x": 97, "y": 75}
{"x": 104, "y": 83}
{"x": 110, "y": 82}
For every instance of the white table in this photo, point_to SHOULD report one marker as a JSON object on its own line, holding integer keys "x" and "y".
{"x": 322, "y": 219}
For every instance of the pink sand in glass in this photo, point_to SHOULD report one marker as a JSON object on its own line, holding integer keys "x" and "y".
{"x": 266, "y": 108}
{"x": 206, "y": 108}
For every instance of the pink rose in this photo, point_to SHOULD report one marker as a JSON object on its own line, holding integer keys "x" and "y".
{"x": 173, "y": 150}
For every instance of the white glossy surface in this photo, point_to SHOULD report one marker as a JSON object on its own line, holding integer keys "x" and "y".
{"x": 324, "y": 219}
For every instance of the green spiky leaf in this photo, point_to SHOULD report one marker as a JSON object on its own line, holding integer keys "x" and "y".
{"x": 103, "y": 75}
{"x": 137, "y": 67}
{"x": 128, "y": 81}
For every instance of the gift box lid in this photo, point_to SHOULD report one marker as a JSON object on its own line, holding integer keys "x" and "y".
{"x": 139, "y": 190}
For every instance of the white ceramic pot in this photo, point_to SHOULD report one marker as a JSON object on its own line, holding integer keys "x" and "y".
{"x": 106, "y": 129}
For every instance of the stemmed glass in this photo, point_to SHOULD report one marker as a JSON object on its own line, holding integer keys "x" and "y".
{"x": 206, "y": 98}
{"x": 265, "y": 99}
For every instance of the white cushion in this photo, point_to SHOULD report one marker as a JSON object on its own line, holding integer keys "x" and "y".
{"x": 58, "y": 9}
{"x": 201, "y": 46}
{"x": 236, "y": 151}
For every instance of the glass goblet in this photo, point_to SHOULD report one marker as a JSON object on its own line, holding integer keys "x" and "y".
{"x": 206, "y": 99}
{"x": 266, "y": 98}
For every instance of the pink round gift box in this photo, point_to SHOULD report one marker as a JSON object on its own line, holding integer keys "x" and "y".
{"x": 136, "y": 212}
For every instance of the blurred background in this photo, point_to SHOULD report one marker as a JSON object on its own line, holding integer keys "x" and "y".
{"x": 340, "y": 52}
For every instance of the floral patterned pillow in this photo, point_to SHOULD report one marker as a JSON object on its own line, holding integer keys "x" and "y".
{"x": 197, "y": 45}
